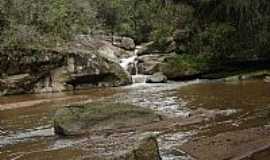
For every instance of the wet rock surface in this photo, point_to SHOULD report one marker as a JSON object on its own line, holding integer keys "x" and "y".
{"x": 239, "y": 145}
{"x": 77, "y": 120}
{"x": 157, "y": 78}
{"x": 146, "y": 148}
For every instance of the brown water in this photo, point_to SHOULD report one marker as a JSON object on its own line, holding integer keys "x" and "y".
{"x": 26, "y": 121}
{"x": 249, "y": 99}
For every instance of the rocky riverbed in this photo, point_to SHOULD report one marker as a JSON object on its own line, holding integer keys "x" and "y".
{"x": 199, "y": 120}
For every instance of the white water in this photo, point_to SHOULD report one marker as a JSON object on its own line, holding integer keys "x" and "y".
{"x": 153, "y": 95}
{"x": 159, "y": 97}
{"x": 125, "y": 62}
{"x": 39, "y": 132}
{"x": 168, "y": 146}
{"x": 139, "y": 78}
{"x": 133, "y": 60}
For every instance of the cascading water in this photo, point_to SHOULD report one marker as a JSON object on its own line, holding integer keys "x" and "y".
{"x": 125, "y": 62}
{"x": 133, "y": 60}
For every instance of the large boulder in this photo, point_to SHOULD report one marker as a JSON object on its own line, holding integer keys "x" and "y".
{"x": 79, "y": 120}
{"x": 171, "y": 65}
{"x": 178, "y": 72}
{"x": 113, "y": 52}
{"x": 109, "y": 52}
{"x": 36, "y": 70}
{"x": 127, "y": 43}
{"x": 104, "y": 47}
{"x": 157, "y": 78}
{"x": 149, "y": 64}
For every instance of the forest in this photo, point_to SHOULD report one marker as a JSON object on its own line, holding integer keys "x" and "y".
{"x": 211, "y": 28}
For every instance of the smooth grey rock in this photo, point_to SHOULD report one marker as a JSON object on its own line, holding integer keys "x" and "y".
{"x": 150, "y": 64}
{"x": 157, "y": 78}
{"x": 127, "y": 43}
{"x": 78, "y": 120}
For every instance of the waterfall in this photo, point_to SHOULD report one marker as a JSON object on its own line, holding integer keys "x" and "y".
{"x": 133, "y": 60}
{"x": 125, "y": 62}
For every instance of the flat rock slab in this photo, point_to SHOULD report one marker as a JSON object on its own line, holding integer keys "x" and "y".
{"x": 78, "y": 120}
{"x": 237, "y": 145}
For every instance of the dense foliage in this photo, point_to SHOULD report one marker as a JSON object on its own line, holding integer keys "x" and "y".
{"x": 238, "y": 28}
{"x": 42, "y": 22}
{"x": 213, "y": 28}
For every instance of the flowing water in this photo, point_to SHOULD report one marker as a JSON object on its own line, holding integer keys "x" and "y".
{"x": 132, "y": 62}
{"x": 26, "y": 121}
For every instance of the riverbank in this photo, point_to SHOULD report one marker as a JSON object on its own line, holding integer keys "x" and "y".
{"x": 188, "y": 67}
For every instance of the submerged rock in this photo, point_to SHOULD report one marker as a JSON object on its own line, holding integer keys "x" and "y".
{"x": 78, "y": 120}
{"x": 247, "y": 76}
{"x": 144, "y": 149}
{"x": 157, "y": 78}
{"x": 36, "y": 71}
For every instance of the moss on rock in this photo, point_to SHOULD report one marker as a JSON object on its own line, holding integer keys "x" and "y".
{"x": 78, "y": 120}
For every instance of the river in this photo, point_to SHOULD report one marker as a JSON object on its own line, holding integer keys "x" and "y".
{"x": 217, "y": 108}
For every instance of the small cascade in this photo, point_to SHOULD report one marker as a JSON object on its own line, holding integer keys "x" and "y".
{"x": 125, "y": 62}
{"x": 133, "y": 60}
{"x": 139, "y": 78}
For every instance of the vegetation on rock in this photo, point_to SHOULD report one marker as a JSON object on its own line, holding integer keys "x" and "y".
{"x": 76, "y": 120}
